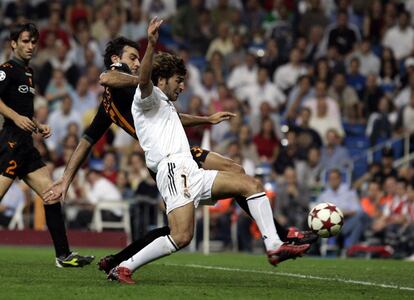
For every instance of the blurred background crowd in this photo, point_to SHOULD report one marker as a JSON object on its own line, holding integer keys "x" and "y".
{"x": 315, "y": 85}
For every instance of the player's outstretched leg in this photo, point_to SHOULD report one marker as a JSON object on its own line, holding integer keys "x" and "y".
{"x": 213, "y": 161}
{"x": 229, "y": 184}
{"x": 111, "y": 261}
{"x": 291, "y": 235}
{"x": 181, "y": 220}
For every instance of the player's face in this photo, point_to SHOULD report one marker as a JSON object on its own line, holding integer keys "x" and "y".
{"x": 25, "y": 46}
{"x": 174, "y": 86}
{"x": 130, "y": 57}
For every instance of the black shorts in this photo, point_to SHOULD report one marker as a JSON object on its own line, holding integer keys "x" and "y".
{"x": 199, "y": 155}
{"x": 18, "y": 156}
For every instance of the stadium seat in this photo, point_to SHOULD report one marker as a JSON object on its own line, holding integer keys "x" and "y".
{"x": 98, "y": 224}
{"x": 17, "y": 220}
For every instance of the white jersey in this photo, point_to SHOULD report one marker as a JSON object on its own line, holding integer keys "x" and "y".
{"x": 158, "y": 128}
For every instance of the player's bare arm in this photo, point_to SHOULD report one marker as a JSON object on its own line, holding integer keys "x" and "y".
{"x": 218, "y": 117}
{"x": 117, "y": 79}
{"x": 145, "y": 83}
{"x": 21, "y": 121}
{"x": 61, "y": 186}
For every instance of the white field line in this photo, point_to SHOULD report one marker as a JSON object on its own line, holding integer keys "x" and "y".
{"x": 302, "y": 276}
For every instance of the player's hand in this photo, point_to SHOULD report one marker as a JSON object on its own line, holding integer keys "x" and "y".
{"x": 153, "y": 27}
{"x": 57, "y": 191}
{"x": 220, "y": 116}
{"x": 25, "y": 123}
{"x": 44, "y": 130}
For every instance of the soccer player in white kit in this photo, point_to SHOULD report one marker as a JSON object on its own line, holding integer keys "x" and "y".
{"x": 181, "y": 183}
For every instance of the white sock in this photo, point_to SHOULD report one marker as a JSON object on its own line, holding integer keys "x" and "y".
{"x": 158, "y": 248}
{"x": 261, "y": 211}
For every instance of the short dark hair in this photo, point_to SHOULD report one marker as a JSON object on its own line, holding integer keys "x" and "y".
{"x": 18, "y": 29}
{"x": 116, "y": 47}
{"x": 166, "y": 65}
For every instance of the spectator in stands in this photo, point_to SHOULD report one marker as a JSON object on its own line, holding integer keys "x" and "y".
{"x": 387, "y": 169}
{"x": 306, "y": 136}
{"x": 346, "y": 97}
{"x": 271, "y": 59}
{"x": 10, "y": 202}
{"x": 59, "y": 121}
{"x": 371, "y": 95}
{"x": 292, "y": 202}
{"x": 373, "y": 24}
{"x": 263, "y": 90}
{"x": 98, "y": 189}
{"x": 314, "y": 15}
{"x": 54, "y": 27}
{"x": 86, "y": 50}
{"x": 221, "y": 12}
{"x": 163, "y": 9}
{"x": 195, "y": 133}
{"x": 282, "y": 30}
{"x": 248, "y": 149}
{"x": 322, "y": 70}
{"x": 62, "y": 60}
{"x": 83, "y": 98}
{"x": 265, "y": 112}
{"x": 354, "y": 78}
{"x": 405, "y": 124}
{"x": 334, "y": 155}
{"x": 342, "y": 35}
{"x": 369, "y": 62}
{"x": 373, "y": 204}
{"x": 309, "y": 172}
{"x": 299, "y": 94}
{"x": 135, "y": 28}
{"x": 390, "y": 224}
{"x": 400, "y": 38}
{"x": 237, "y": 56}
{"x": 324, "y": 111}
{"x": 110, "y": 166}
{"x": 286, "y": 76}
{"x": 389, "y": 80}
{"x": 123, "y": 185}
{"x": 287, "y": 154}
{"x": 380, "y": 124}
{"x": 57, "y": 89}
{"x": 266, "y": 141}
{"x": 346, "y": 200}
{"x": 243, "y": 74}
{"x": 223, "y": 43}
{"x": 185, "y": 23}
{"x": 207, "y": 90}
{"x": 218, "y": 65}
{"x": 78, "y": 12}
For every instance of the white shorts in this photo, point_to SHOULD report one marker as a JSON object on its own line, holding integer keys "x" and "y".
{"x": 180, "y": 182}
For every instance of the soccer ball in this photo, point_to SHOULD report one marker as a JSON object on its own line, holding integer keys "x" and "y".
{"x": 326, "y": 220}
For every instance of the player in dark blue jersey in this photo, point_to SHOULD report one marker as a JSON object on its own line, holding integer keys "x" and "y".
{"x": 18, "y": 156}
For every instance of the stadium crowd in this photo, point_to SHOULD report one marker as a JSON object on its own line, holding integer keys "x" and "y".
{"x": 299, "y": 74}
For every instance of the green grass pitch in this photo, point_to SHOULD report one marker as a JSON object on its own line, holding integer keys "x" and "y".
{"x": 29, "y": 273}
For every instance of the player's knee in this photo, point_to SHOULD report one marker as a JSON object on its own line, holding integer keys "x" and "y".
{"x": 254, "y": 186}
{"x": 235, "y": 168}
{"x": 182, "y": 239}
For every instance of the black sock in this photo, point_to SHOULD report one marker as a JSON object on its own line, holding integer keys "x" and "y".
{"x": 138, "y": 245}
{"x": 282, "y": 232}
{"x": 56, "y": 226}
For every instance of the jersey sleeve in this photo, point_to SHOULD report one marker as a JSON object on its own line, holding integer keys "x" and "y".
{"x": 121, "y": 67}
{"x": 149, "y": 102}
{"x": 100, "y": 124}
{"x": 4, "y": 79}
